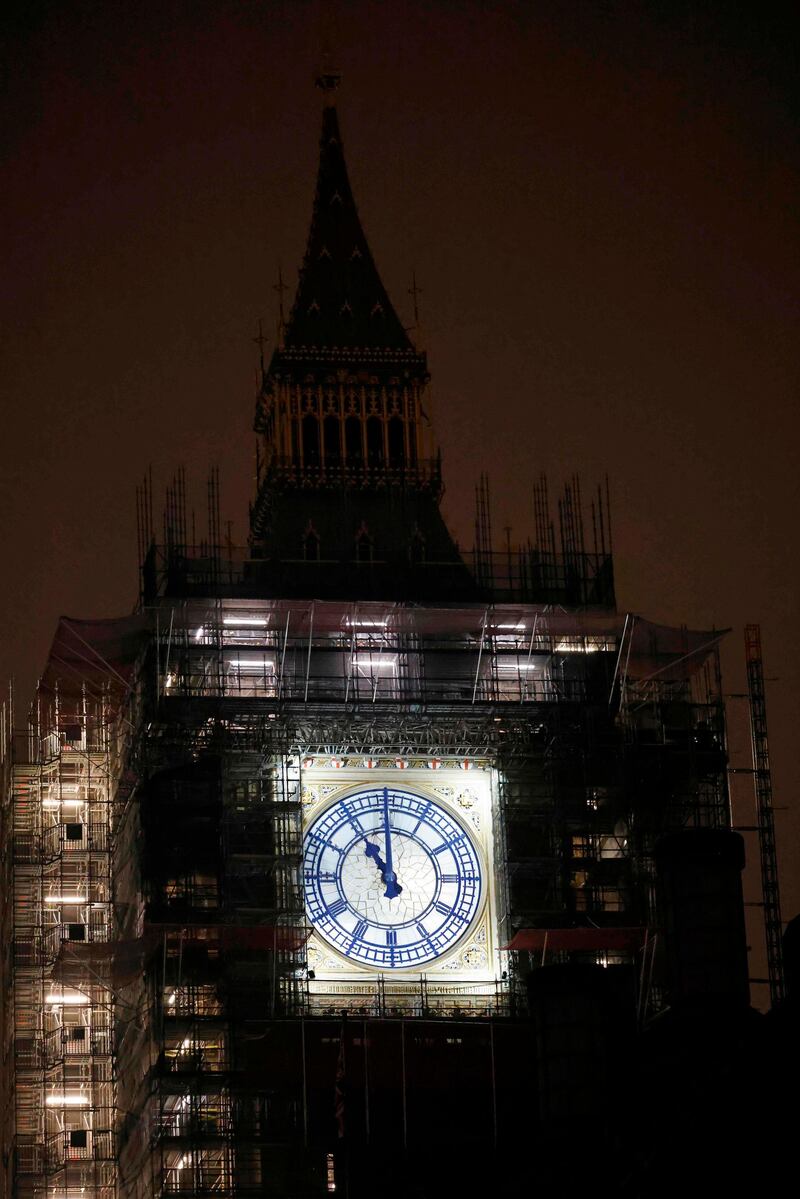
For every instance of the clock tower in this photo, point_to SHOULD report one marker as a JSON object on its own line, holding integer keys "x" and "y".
{"x": 296, "y": 845}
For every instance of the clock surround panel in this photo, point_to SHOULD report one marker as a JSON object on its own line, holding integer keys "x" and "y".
{"x": 394, "y": 879}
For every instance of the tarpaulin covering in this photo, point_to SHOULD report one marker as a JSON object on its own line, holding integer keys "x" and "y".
{"x": 125, "y": 959}
{"x": 578, "y": 938}
{"x": 119, "y": 961}
{"x": 237, "y": 936}
{"x": 97, "y": 654}
{"x": 662, "y": 652}
{"x": 102, "y": 653}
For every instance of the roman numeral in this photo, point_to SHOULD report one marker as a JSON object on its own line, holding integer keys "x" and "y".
{"x": 359, "y": 930}
{"x": 353, "y": 819}
{"x": 422, "y": 816}
{"x": 325, "y": 844}
{"x": 336, "y": 908}
{"x": 391, "y": 936}
{"x": 452, "y": 878}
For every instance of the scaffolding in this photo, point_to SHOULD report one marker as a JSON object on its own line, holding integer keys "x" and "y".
{"x": 160, "y": 929}
{"x": 603, "y": 731}
{"x": 563, "y": 565}
{"x": 765, "y": 815}
{"x": 63, "y": 784}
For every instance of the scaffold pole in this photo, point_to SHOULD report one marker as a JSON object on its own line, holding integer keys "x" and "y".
{"x": 765, "y": 818}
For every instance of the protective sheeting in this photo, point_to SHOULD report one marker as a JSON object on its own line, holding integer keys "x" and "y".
{"x": 124, "y": 960}
{"x": 646, "y": 649}
{"x": 97, "y": 654}
{"x": 591, "y": 939}
{"x": 239, "y": 938}
{"x": 659, "y": 651}
{"x": 102, "y": 654}
{"x": 121, "y": 962}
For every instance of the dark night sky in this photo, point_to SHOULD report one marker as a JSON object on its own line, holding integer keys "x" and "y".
{"x": 599, "y": 200}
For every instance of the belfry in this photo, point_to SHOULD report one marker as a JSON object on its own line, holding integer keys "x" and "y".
{"x": 350, "y": 482}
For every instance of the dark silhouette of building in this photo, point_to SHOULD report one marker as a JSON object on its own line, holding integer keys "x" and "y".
{"x": 222, "y": 980}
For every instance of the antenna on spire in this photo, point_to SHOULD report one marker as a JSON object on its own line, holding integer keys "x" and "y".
{"x": 415, "y": 292}
{"x": 261, "y": 341}
{"x": 280, "y": 287}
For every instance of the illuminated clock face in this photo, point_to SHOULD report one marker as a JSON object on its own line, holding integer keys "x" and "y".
{"x": 392, "y": 879}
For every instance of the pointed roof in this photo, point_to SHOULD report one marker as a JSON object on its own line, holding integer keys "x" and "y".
{"x": 340, "y": 300}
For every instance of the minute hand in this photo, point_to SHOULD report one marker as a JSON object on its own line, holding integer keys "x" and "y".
{"x": 393, "y": 888}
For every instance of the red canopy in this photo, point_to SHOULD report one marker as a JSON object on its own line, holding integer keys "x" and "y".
{"x": 578, "y": 938}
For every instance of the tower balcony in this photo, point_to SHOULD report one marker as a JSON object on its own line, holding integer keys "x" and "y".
{"x": 377, "y": 473}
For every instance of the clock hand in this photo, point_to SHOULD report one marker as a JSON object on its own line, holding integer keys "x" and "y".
{"x": 393, "y": 888}
{"x": 388, "y": 876}
{"x": 371, "y": 850}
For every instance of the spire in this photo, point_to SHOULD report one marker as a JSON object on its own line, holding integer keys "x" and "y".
{"x": 340, "y": 300}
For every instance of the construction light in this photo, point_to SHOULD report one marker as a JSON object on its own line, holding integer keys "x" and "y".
{"x": 74, "y": 1099}
{"x": 572, "y": 647}
{"x": 253, "y": 622}
{"x": 260, "y": 666}
{"x": 51, "y": 804}
{"x": 70, "y": 999}
{"x": 65, "y": 899}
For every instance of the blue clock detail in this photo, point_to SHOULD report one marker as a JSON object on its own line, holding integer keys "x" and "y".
{"x": 392, "y": 879}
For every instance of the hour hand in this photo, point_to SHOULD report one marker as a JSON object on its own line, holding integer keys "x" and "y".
{"x": 388, "y": 877}
{"x": 393, "y": 888}
{"x": 373, "y": 851}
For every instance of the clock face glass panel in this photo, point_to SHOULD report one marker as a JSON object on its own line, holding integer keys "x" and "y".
{"x": 392, "y": 879}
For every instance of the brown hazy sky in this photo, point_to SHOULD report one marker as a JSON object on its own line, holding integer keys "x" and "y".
{"x": 600, "y": 203}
